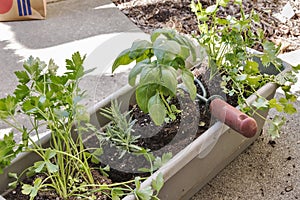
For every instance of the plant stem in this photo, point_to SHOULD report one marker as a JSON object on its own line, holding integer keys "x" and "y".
{"x": 165, "y": 102}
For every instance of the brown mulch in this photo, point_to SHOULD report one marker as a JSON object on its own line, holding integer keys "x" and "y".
{"x": 152, "y": 14}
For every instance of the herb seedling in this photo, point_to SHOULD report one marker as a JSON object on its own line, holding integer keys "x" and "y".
{"x": 119, "y": 131}
{"x": 158, "y": 64}
{"x": 48, "y": 100}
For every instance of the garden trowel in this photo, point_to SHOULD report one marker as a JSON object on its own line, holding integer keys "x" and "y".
{"x": 224, "y": 112}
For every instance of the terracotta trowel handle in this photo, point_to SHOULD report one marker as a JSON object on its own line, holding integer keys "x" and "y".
{"x": 233, "y": 117}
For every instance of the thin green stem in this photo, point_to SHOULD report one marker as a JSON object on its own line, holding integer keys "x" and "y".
{"x": 12, "y": 125}
{"x": 165, "y": 102}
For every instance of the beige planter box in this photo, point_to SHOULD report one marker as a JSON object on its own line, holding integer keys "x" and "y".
{"x": 203, "y": 159}
{"x": 192, "y": 167}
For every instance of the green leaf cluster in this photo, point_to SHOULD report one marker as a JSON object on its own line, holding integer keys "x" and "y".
{"x": 119, "y": 131}
{"x": 149, "y": 192}
{"x": 227, "y": 41}
{"x": 30, "y": 190}
{"x": 46, "y": 99}
{"x": 8, "y": 150}
{"x": 50, "y": 100}
{"x": 157, "y": 162}
{"x": 158, "y": 64}
{"x": 46, "y": 164}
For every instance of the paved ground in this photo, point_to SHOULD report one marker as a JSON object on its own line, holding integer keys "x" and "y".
{"x": 266, "y": 170}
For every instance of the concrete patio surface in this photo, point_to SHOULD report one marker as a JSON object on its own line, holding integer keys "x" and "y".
{"x": 267, "y": 170}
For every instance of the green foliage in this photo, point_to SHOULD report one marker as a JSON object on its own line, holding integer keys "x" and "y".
{"x": 156, "y": 162}
{"x": 43, "y": 97}
{"x": 119, "y": 131}
{"x": 261, "y": 103}
{"x": 275, "y": 127}
{"x": 227, "y": 41}
{"x": 50, "y": 100}
{"x": 158, "y": 183}
{"x": 155, "y": 74}
{"x": 157, "y": 109}
{"x": 149, "y": 192}
{"x": 13, "y": 184}
{"x": 46, "y": 164}
{"x": 7, "y": 107}
{"x": 8, "y": 150}
{"x": 53, "y": 101}
{"x": 30, "y": 190}
{"x": 116, "y": 194}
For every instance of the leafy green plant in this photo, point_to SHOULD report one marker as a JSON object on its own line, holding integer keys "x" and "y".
{"x": 227, "y": 41}
{"x": 8, "y": 150}
{"x": 148, "y": 192}
{"x": 156, "y": 162}
{"x": 51, "y": 102}
{"x": 158, "y": 64}
{"x": 119, "y": 131}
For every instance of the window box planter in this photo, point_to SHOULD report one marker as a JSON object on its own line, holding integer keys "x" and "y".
{"x": 187, "y": 171}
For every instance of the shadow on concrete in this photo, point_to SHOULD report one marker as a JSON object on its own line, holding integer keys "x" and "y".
{"x": 8, "y": 64}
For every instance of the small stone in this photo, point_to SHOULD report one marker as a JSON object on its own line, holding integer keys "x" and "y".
{"x": 284, "y": 29}
{"x": 262, "y": 174}
{"x": 288, "y": 188}
{"x": 272, "y": 143}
